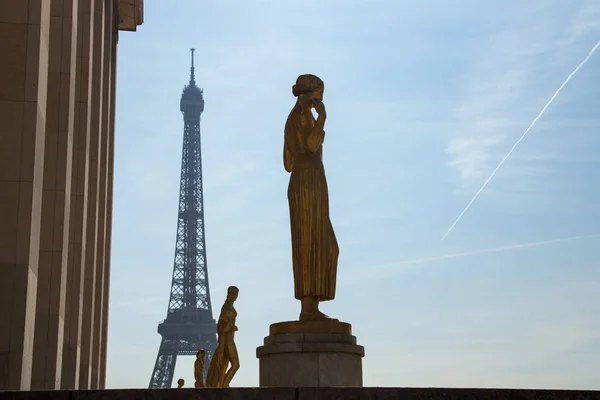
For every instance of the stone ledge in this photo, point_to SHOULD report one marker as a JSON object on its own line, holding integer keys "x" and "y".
{"x": 157, "y": 394}
{"x": 327, "y": 347}
{"x": 331, "y": 326}
{"x": 310, "y": 337}
{"x": 310, "y": 343}
{"x": 323, "y": 393}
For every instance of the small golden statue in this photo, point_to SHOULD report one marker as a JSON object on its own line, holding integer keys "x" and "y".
{"x": 226, "y": 352}
{"x": 315, "y": 249}
{"x": 199, "y": 369}
{"x": 180, "y": 383}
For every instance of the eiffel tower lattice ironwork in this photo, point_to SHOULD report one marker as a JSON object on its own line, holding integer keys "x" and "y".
{"x": 189, "y": 325}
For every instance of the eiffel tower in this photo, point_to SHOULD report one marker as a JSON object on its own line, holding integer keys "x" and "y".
{"x": 189, "y": 325}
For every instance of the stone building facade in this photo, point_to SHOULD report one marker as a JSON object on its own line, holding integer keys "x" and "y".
{"x": 57, "y": 108}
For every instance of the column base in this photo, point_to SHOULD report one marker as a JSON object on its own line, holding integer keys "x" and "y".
{"x": 310, "y": 354}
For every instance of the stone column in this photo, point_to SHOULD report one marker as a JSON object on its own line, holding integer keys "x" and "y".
{"x": 56, "y": 198}
{"x": 109, "y": 207}
{"x": 91, "y": 255}
{"x": 106, "y": 101}
{"x": 78, "y": 203}
{"x": 24, "y": 29}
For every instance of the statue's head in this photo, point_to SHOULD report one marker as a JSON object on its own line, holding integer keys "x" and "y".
{"x": 200, "y": 354}
{"x": 232, "y": 293}
{"x": 309, "y": 89}
{"x": 180, "y": 382}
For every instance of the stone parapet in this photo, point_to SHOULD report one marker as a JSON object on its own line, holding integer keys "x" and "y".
{"x": 322, "y": 393}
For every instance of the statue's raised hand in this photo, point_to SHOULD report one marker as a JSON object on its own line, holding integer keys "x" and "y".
{"x": 320, "y": 108}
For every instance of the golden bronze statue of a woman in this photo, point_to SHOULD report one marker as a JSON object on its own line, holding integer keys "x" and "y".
{"x": 226, "y": 352}
{"x": 314, "y": 246}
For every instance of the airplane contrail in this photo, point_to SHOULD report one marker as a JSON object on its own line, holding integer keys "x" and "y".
{"x": 495, "y": 249}
{"x": 381, "y": 271}
{"x": 386, "y": 270}
{"x": 590, "y": 54}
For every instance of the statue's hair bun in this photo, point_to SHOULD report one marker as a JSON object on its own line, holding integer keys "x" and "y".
{"x": 307, "y": 83}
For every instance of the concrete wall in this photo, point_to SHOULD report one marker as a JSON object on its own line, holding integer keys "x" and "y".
{"x": 57, "y": 91}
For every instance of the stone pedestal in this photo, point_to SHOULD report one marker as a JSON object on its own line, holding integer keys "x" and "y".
{"x": 310, "y": 354}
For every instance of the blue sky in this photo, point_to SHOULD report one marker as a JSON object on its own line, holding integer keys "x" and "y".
{"x": 424, "y": 98}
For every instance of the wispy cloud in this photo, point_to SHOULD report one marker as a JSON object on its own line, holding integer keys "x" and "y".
{"x": 586, "y": 20}
{"x": 535, "y": 120}
{"x": 390, "y": 269}
{"x": 499, "y": 95}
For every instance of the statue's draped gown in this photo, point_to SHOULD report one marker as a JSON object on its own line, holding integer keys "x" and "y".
{"x": 314, "y": 246}
{"x": 220, "y": 360}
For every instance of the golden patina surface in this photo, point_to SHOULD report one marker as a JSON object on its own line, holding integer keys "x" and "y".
{"x": 226, "y": 352}
{"x": 328, "y": 326}
{"x": 199, "y": 369}
{"x": 314, "y": 246}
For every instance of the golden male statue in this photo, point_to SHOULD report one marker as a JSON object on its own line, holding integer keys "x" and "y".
{"x": 226, "y": 351}
{"x": 199, "y": 369}
{"x": 315, "y": 249}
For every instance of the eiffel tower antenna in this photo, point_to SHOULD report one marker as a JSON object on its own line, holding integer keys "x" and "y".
{"x": 192, "y": 77}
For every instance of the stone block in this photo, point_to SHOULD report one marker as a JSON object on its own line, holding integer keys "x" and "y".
{"x": 9, "y": 223}
{"x": 11, "y": 115}
{"x": 310, "y": 360}
{"x": 14, "y": 12}
{"x": 14, "y": 58}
